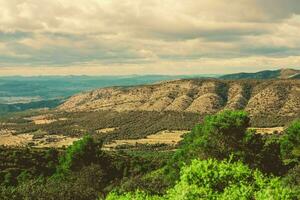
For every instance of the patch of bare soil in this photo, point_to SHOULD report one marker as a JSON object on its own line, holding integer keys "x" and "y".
{"x": 54, "y": 141}
{"x": 162, "y": 137}
{"x": 7, "y": 138}
{"x": 106, "y": 130}
{"x": 268, "y": 130}
{"x": 44, "y": 119}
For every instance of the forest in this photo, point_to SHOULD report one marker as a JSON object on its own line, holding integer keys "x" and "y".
{"x": 220, "y": 158}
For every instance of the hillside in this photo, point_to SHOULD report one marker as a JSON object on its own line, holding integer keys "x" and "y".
{"x": 267, "y": 74}
{"x": 258, "y": 98}
{"x": 16, "y": 107}
{"x": 22, "y": 93}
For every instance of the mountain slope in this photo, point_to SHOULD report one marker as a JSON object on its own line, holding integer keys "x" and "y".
{"x": 259, "y": 98}
{"x": 16, "y": 107}
{"x": 268, "y": 74}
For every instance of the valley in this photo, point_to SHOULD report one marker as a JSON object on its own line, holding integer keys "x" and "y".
{"x": 277, "y": 100}
{"x": 142, "y": 137}
{"x": 19, "y": 93}
{"x": 125, "y": 116}
{"x": 149, "y": 100}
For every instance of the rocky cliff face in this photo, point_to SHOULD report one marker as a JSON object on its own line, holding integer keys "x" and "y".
{"x": 208, "y": 96}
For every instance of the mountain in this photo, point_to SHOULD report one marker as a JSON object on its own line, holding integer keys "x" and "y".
{"x": 296, "y": 76}
{"x": 272, "y": 98}
{"x": 21, "y": 93}
{"x": 16, "y": 107}
{"x": 267, "y": 74}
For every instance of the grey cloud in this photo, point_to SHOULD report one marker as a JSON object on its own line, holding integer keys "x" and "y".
{"x": 67, "y": 32}
{"x": 56, "y": 54}
{"x": 270, "y": 51}
{"x": 5, "y": 37}
{"x": 279, "y": 9}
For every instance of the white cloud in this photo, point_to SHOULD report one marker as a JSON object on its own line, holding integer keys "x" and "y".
{"x": 143, "y": 36}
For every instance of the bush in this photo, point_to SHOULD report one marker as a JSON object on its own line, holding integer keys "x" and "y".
{"x": 154, "y": 182}
{"x": 82, "y": 153}
{"x": 290, "y": 144}
{"x": 220, "y": 136}
{"x": 85, "y": 184}
{"x": 293, "y": 176}
{"x": 219, "y": 180}
{"x": 138, "y": 195}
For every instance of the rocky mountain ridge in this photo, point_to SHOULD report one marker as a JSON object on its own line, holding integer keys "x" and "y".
{"x": 204, "y": 96}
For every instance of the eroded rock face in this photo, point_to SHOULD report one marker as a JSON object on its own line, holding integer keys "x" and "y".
{"x": 200, "y": 96}
{"x": 292, "y": 103}
{"x": 237, "y": 97}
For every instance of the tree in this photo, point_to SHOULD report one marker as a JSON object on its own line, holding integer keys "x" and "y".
{"x": 219, "y": 136}
{"x": 82, "y": 153}
{"x": 219, "y": 180}
{"x": 290, "y": 144}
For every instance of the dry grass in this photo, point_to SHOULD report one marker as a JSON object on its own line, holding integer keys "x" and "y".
{"x": 7, "y": 138}
{"x": 44, "y": 119}
{"x": 54, "y": 141}
{"x": 106, "y": 130}
{"x": 268, "y": 130}
{"x": 162, "y": 137}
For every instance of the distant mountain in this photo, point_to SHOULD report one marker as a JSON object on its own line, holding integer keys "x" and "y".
{"x": 16, "y": 107}
{"x": 274, "y": 99}
{"x": 297, "y": 76}
{"x": 19, "y": 93}
{"x": 267, "y": 74}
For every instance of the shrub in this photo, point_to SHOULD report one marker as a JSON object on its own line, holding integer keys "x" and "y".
{"x": 138, "y": 195}
{"x": 219, "y": 180}
{"x": 82, "y": 153}
{"x": 82, "y": 185}
{"x": 290, "y": 144}
{"x": 220, "y": 136}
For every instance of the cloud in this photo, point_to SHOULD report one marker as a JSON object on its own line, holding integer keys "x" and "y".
{"x": 279, "y": 9}
{"x": 136, "y": 34}
{"x": 174, "y": 67}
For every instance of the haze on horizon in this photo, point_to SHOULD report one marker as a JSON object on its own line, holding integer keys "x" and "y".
{"x": 111, "y": 37}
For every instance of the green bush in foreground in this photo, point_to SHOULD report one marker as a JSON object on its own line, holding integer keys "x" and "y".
{"x": 82, "y": 153}
{"x": 290, "y": 144}
{"x": 222, "y": 135}
{"x": 218, "y": 180}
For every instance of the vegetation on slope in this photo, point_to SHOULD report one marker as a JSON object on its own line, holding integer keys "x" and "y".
{"x": 272, "y": 98}
{"x": 128, "y": 125}
{"x": 220, "y": 180}
{"x": 219, "y": 159}
{"x": 267, "y": 74}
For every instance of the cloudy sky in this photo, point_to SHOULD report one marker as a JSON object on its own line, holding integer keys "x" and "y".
{"x": 112, "y": 37}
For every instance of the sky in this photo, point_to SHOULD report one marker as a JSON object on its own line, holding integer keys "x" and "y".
{"x": 122, "y": 37}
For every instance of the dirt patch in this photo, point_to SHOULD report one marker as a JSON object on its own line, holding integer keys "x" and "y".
{"x": 7, "y": 138}
{"x": 54, "y": 141}
{"x": 106, "y": 130}
{"x": 268, "y": 130}
{"x": 44, "y": 119}
{"x": 162, "y": 137}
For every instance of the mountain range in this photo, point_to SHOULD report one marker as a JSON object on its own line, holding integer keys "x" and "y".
{"x": 267, "y": 74}
{"x": 195, "y": 95}
{"x": 22, "y": 93}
